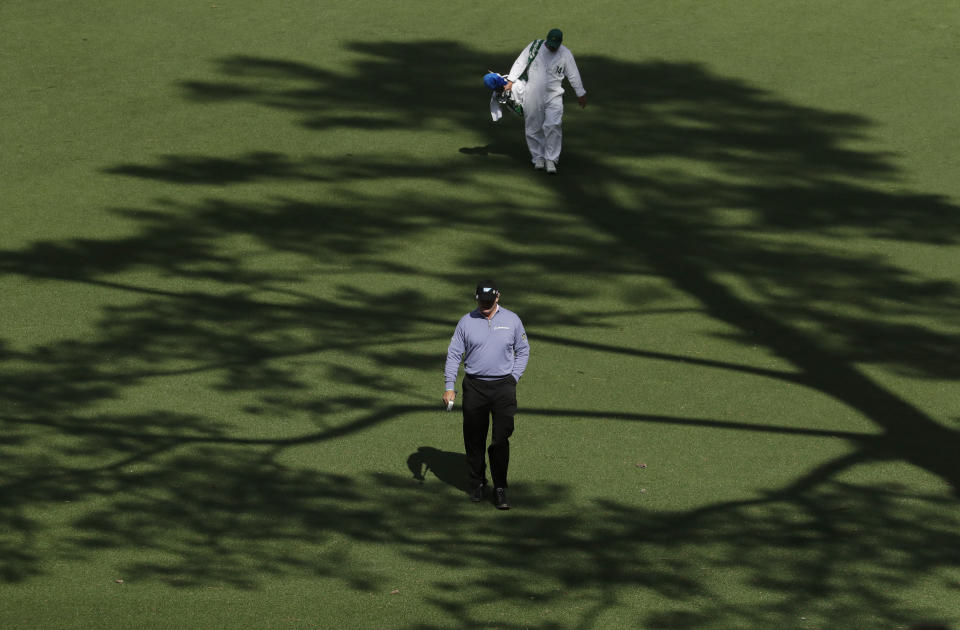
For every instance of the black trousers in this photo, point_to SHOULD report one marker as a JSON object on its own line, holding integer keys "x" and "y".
{"x": 481, "y": 400}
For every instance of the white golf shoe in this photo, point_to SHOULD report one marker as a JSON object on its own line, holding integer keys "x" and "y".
{"x": 551, "y": 167}
{"x": 538, "y": 164}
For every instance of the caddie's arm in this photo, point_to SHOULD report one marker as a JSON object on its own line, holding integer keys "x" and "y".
{"x": 517, "y": 68}
{"x": 572, "y": 72}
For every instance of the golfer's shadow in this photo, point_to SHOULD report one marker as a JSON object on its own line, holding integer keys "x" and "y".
{"x": 450, "y": 468}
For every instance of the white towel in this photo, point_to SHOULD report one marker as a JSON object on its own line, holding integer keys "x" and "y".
{"x": 495, "y": 112}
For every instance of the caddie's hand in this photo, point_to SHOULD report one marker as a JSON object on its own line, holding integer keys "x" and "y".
{"x": 449, "y": 396}
{"x": 508, "y": 86}
{"x": 583, "y": 101}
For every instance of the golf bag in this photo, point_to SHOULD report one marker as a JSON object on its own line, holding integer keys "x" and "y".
{"x": 501, "y": 98}
{"x": 512, "y": 99}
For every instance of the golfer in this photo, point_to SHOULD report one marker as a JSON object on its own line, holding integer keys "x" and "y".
{"x": 543, "y": 65}
{"x": 493, "y": 346}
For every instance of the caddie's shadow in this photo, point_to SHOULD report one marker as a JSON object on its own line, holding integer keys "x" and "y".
{"x": 450, "y": 468}
{"x": 515, "y": 148}
{"x": 484, "y": 150}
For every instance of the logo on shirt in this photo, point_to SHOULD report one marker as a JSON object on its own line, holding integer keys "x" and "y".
{"x": 501, "y": 328}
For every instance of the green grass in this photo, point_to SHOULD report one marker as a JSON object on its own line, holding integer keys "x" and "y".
{"x": 237, "y": 236}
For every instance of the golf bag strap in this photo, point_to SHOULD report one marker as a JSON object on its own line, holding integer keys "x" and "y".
{"x": 534, "y": 49}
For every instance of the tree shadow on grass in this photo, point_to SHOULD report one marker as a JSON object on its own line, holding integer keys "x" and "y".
{"x": 829, "y": 551}
{"x": 751, "y": 206}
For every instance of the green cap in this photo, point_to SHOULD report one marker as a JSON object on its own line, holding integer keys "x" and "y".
{"x": 554, "y": 37}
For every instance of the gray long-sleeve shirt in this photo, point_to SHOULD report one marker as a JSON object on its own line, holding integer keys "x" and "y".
{"x": 492, "y": 347}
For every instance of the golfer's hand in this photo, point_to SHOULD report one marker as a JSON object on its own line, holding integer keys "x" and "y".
{"x": 449, "y": 396}
{"x": 583, "y": 101}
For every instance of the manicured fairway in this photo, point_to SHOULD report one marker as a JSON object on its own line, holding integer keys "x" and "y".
{"x": 235, "y": 238}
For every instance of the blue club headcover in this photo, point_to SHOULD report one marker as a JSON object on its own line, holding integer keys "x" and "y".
{"x": 494, "y": 81}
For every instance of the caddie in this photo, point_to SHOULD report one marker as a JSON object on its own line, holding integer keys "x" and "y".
{"x": 542, "y": 65}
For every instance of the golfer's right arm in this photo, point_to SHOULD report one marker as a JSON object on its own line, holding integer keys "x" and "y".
{"x": 452, "y": 367}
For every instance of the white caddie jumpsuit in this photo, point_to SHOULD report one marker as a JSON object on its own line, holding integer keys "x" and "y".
{"x": 543, "y": 98}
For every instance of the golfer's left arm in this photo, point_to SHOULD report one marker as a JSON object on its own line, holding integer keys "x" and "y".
{"x": 521, "y": 352}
